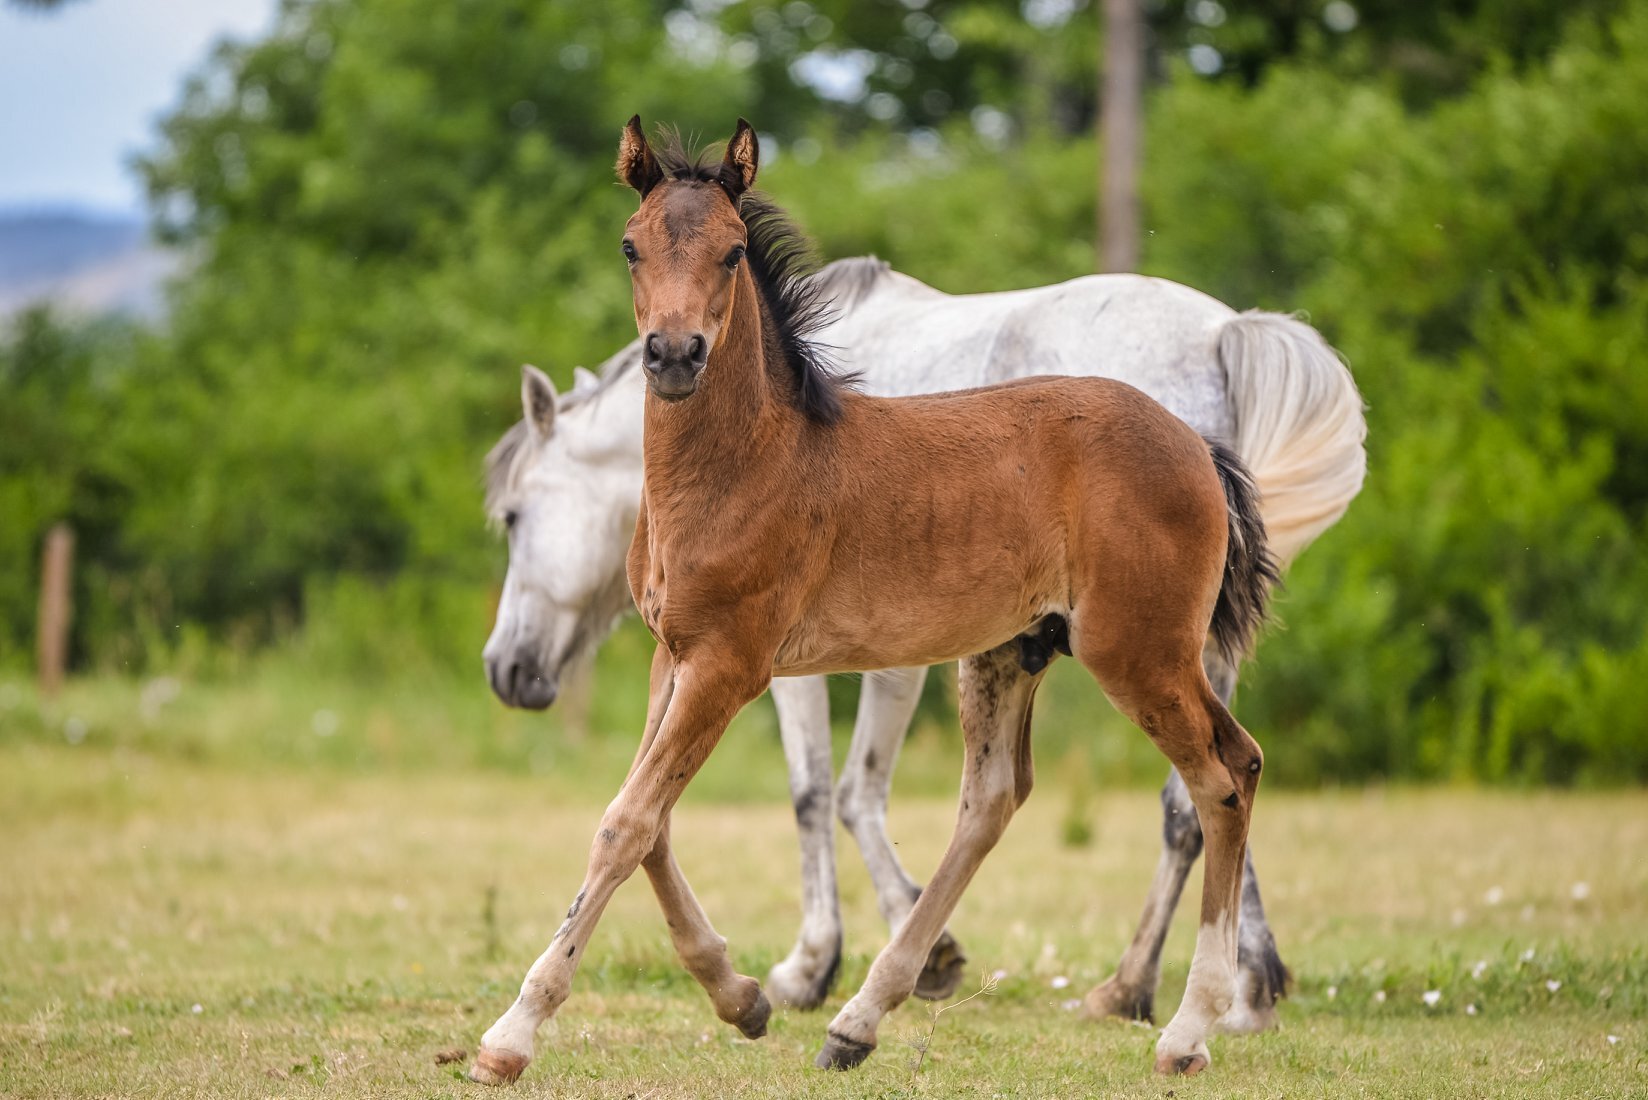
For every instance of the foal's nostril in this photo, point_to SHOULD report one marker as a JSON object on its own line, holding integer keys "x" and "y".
{"x": 661, "y": 351}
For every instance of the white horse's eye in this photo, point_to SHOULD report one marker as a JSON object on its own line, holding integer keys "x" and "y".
{"x": 510, "y": 517}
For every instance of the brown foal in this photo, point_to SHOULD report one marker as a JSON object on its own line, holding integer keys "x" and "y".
{"x": 790, "y": 525}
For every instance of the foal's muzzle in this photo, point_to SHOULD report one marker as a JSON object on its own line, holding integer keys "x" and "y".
{"x": 520, "y": 683}
{"x": 673, "y": 362}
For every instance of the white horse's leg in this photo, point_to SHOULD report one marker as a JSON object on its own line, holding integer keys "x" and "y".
{"x": 803, "y": 978}
{"x": 1131, "y": 991}
{"x": 1261, "y": 975}
{"x": 886, "y": 703}
{"x": 995, "y": 716}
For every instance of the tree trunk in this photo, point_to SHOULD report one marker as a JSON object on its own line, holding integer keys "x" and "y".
{"x": 1120, "y": 102}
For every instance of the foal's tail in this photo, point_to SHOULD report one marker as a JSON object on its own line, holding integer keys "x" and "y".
{"x": 1250, "y": 569}
{"x": 1298, "y": 424}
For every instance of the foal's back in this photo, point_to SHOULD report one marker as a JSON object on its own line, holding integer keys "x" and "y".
{"x": 959, "y": 520}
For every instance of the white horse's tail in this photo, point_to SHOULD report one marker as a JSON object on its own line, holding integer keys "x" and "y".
{"x": 1299, "y": 425}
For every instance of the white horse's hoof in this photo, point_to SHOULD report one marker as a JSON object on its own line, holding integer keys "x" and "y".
{"x": 1246, "y": 1019}
{"x": 790, "y": 985}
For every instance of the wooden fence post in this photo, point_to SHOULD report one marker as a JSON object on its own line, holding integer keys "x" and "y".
{"x": 56, "y": 607}
{"x": 1120, "y": 124}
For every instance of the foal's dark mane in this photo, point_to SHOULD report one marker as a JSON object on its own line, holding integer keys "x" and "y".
{"x": 781, "y": 260}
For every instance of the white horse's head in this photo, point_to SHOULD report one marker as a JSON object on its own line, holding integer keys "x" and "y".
{"x": 565, "y": 485}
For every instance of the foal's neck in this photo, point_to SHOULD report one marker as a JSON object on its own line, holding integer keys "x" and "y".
{"x": 703, "y": 444}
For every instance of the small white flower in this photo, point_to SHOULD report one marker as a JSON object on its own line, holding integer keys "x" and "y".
{"x": 1528, "y": 955}
{"x": 1072, "y": 1004}
{"x": 1333, "y": 992}
{"x": 1495, "y": 895}
{"x": 1061, "y": 982}
{"x": 1379, "y": 996}
{"x": 998, "y": 975}
{"x": 1431, "y": 997}
{"x": 1470, "y": 1010}
{"x": 1479, "y": 969}
{"x": 1613, "y": 1040}
{"x": 196, "y": 1009}
{"x": 1580, "y": 891}
{"x": 1553, "y": 985}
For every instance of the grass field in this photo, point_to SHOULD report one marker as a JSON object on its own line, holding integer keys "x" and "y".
{"x": 173, "y": 928}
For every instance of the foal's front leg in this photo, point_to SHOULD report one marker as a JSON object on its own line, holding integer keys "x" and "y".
{"x": 687, "y": 714}
{"x": 738, "y": 1000}
{"x": 995, "y": 716}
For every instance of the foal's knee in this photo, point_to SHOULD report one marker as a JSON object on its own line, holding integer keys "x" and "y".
{"x": 984, "y": 816}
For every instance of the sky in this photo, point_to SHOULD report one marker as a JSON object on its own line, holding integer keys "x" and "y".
{"x": 81, "y": 89}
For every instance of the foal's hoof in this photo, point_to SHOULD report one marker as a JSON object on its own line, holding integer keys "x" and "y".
{"x": 497, "y": 1067}
{"x": 754, "y": 1021}
{"x": 1112, "y": 998}
{"x": 841, "y": 1052}
{"x": 1182, "y": 1065}
{"x": 946, "y": 963}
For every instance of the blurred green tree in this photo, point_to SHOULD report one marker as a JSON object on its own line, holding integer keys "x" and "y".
{"x": 389, "y": 206}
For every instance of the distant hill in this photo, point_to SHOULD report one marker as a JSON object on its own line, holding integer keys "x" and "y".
{"x": 82, "y": 263}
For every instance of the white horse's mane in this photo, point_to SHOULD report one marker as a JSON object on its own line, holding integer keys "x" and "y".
{"x": 843, "y": 283}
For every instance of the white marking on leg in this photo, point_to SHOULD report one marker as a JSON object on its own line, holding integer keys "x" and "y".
{"x": 1209, "y": 992}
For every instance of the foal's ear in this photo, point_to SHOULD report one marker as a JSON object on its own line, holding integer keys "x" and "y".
{"x": 636, "y": 164}
{"x": 537, "y": 401}
{"x": 738, "y": 166}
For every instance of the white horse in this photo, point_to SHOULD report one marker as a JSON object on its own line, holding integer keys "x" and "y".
{"x": 566, "y": 483}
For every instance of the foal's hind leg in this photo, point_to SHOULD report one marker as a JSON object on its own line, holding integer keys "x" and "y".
{"x": 1261, "y": 976}
{"x": 886, "y": 704}
{"x": 1165, "y": 692}
{"x": 995, "y": 715}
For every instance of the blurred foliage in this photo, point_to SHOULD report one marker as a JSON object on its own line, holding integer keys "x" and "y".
{"x": 390, "y": 205}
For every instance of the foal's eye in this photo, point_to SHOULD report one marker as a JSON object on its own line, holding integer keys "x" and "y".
{"x": 510, "y": 518}
{"x": 629, "y": 252}
{"x": 734, "y": 256}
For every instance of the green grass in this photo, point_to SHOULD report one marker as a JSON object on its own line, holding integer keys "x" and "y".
{"x": 291, "y": 708}
{"x": 337, "y": 930}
